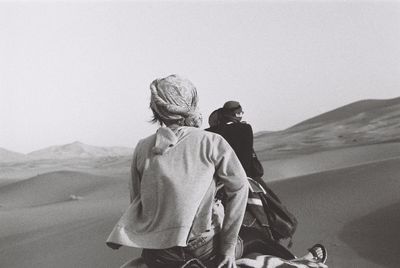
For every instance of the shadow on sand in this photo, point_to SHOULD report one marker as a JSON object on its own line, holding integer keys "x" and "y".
{"x": 376, "y": 236}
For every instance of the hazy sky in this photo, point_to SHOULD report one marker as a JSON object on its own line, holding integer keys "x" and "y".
{"x": 81, "y": 70}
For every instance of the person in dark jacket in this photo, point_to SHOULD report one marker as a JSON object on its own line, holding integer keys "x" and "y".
{"x": 227, "y": 121}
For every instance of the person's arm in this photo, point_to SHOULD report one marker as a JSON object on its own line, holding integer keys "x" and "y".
{"x": 231, "y": 174}
{"x": 134, "y": 182}
{"x": 134, "y": 190}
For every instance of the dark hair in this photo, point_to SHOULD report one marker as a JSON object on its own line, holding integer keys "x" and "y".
{"x": 156, "y": 119}
{"x": 228, "y": 112}
{"x": 215, "y": 118}
{"x": 231, "y": 105}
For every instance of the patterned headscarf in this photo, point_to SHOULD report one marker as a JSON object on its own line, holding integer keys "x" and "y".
{"x": 175, "y": 98}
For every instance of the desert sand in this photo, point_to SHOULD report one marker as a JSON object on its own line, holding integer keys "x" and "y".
{"x": 354, "y": 211}
{"x": 345, "y": 194}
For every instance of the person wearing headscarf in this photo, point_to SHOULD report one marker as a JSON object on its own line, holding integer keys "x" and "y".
{"x": 175, "y": 172}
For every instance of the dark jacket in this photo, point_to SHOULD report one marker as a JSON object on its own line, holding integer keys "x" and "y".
{"x": 240, "y": 138}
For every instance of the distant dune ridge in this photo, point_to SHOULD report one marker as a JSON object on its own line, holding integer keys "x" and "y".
{"x": 78, "y": 150}
{"x": 68, "y": 151}
{"x": 10, "y": 156}
{"x": 360, "y": 123}
{"x": 339, "y": 173}
{"x": 374, "y": 108}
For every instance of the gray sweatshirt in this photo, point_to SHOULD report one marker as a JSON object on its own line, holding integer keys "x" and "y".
{"x": 172, "y": 188}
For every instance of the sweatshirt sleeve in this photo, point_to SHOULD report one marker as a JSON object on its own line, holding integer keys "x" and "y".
{"x": 134, "y": 182}
{"x": 231, "y": 174}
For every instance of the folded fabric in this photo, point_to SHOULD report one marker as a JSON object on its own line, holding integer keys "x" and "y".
{"x": 267, "y": 261}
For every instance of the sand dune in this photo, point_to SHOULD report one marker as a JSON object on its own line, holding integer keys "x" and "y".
{"x": 379, "y": 229}
{"x": 52, "y": 188}
{"x": 41, "y": 227}
{"x": 327, "y": 160}
{"x": 9, "y": 156}
{"x": 351, "y": 210}
{"x": 78, "y": 150}
{"x": 62, "y": 235}
{"x": 112, "y": 166}
{"x": 361, "y": 123}
{"x": 5, "y": 182}
{"x": 354, "y": 211}
{"x": 376, "y": 107}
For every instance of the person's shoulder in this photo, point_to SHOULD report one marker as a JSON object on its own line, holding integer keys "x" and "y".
{"x": 146, "y": 142}
{"x": 149, "y": 138}
{"x": 214, "y": 129}
{"x": 246, "y": 125}
{"x": 239, "y": 125}
{"x": 207, "y": 133}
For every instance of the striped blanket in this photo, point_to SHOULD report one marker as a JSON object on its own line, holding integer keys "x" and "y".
{"x": 263, "y": 261}
{"x": 266, "y": 261}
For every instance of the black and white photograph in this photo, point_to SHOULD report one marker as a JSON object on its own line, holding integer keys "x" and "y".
{"x": 199, "y": 134}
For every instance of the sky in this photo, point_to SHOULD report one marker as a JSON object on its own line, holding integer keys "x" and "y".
{"x": 81, "y": 70}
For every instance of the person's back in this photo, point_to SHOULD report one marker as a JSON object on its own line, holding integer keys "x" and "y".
{"x": 240, "y": 138}
{"x": 178, "y": 163}
{"x": 226, "y": 122}
{"x": 172, "y": 214}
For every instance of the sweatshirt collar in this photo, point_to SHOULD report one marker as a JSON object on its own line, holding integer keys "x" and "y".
{"x": 165, "y": 138}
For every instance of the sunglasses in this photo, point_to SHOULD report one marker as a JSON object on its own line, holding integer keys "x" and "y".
{"x": 239, "y": 114}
